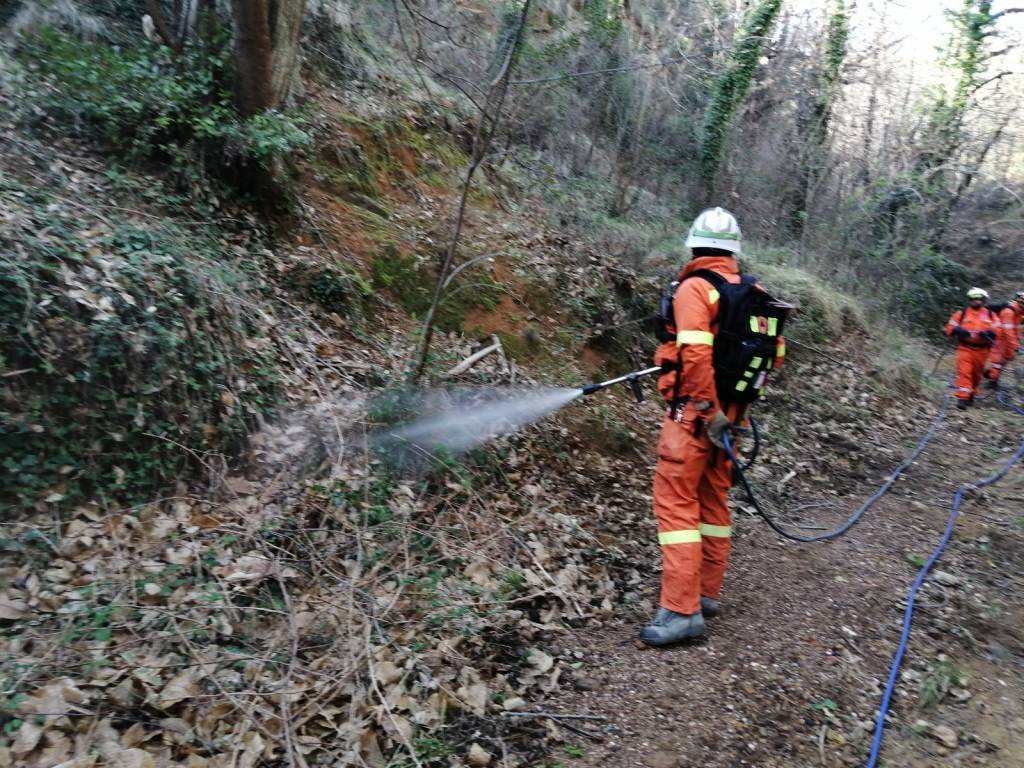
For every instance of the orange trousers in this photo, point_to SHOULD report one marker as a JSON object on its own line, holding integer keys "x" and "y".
{"x": 970, "y": 365}
{"x": 998, "y": 360}
{"x": 691, "y": 480}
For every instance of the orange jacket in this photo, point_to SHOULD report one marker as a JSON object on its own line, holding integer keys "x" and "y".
{"x": 1009, "y": 332}
{"x": 975, "y": 322}
{"x": 695, "y": 312}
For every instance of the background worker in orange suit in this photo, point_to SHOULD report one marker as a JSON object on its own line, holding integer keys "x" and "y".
{"x": 975, "y": 328}
{"x": 693, "y": 473}
{"x": 1008, "y": 317}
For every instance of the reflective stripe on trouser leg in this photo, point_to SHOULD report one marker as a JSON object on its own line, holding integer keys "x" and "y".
{"x": 715, "y": 525}
{"x": 978, "y": 361}
{"x": 681, "y": 462}
{"x": 996, "y": 364}
{"x": 969, "y": 365}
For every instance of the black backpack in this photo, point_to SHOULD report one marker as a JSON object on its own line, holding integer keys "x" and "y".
{"x": 749, "y": 321}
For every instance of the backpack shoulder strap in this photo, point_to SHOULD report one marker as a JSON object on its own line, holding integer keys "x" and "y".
{"x": 963, "y": 314}
{"x": 710, "y": 275}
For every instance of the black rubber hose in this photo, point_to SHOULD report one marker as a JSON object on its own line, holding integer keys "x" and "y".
{"x": 853, "y": 519}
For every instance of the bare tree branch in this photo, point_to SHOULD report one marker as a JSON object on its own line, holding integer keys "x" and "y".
{"x": 612, "y": 70}
{"x": 486, "y": 127}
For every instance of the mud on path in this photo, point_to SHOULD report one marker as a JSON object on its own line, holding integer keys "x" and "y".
{"x": 791, "y": 673}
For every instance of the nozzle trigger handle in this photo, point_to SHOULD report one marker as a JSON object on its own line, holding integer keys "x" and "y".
{"x": 638, "y": 393}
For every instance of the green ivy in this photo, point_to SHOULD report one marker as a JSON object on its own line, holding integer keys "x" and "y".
{"x": 149, "y": 102}
{"x": 732, "y": 85}
{"x": 135, "y": 352}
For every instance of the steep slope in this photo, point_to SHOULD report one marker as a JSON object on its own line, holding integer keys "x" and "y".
{"x": 304, "y": 602}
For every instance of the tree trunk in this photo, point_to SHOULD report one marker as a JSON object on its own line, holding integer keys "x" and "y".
{"x": 731, "y": 86}
{"x": 814, "y": 134}
{"x": 266, "y": 51}
{"x": 287, "y": 33}
{"x": 253, "y": 53}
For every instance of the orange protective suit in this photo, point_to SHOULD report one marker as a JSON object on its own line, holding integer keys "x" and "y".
{"x": 1005, "y": 349}
{"x": 973, "y": 350}
{"x": 692, "y": 477}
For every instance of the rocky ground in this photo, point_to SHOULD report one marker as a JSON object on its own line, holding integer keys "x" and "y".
{"x": 309, "y": 605}
{"x": 791, "y": 674}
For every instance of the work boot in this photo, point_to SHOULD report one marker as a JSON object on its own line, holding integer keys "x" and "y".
{"x": 961, "y": 405}
{"x": 709, "y": 607}
{"x": 993, "y": 383}
{"x": 671, "y": 627}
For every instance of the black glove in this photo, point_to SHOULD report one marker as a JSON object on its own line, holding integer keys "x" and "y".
{"x": 960, "y": 333}
{"x": 990, "y": 335}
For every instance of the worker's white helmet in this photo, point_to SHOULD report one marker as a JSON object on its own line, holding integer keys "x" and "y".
{"x": 1019, "y": 296}
{"x": 977, "y": 293}
{"x": 715, "y": 228}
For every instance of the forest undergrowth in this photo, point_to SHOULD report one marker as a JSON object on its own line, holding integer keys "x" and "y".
{"x": 209, "y": 313}
{"x": 308, "y": 602}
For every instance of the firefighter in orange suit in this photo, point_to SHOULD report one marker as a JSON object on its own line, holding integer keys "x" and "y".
{"x": 976, "y": 329}
{"x": 1005, "y": 350}
{"x": 693, "y": 473}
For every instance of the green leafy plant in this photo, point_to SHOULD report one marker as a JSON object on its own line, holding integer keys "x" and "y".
{"x": 828, "y": 707}
{"x": 150, "y": 102}
{"x": 937, "y": 682}
{"x": 732, "y": 85}
{"x": 915, "y": 560}
{"x": 136, "y": 355}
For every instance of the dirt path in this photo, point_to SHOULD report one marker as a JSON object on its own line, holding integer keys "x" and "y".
{"x": 791, "y": 674}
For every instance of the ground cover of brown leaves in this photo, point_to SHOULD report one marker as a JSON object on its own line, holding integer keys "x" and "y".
{"x": 312, "y": 605}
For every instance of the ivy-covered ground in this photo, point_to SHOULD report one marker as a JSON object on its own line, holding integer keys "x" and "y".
{"x": 204, "y": 563}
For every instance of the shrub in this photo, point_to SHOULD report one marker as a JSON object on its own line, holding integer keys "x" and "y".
{"x": 924, "y": 286}
{"x": 150, "y": 102}
{"x": 134, "y": 350}
{"x": 413, "y": 287}
{"x": 337, "y": 289}
{"x": 825, "y": 313}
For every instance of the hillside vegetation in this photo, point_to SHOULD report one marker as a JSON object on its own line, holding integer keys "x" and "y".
{"x": 231, "y": 232}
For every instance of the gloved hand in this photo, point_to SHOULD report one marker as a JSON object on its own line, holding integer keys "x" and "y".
{"x": 716, "y": 428}
{"x": 990, "y": 335}
{"x": 961, "y": 333}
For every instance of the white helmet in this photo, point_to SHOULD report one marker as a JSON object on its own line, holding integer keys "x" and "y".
{"x": 977, "y": 293}
{"x": 715, "y": 228}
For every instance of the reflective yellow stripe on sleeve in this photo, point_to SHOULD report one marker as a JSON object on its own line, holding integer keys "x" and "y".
{"x": 679, "y": 537}
{"x": 720, "y": 531}
{"x": 695, "y": 337}
{"x": 780, "y": 350}
{"x": 713, "y": 296}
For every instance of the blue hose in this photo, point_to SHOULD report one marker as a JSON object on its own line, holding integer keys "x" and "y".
{"x": 908, "y": 613}
{"x": 1001, "y": 397}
